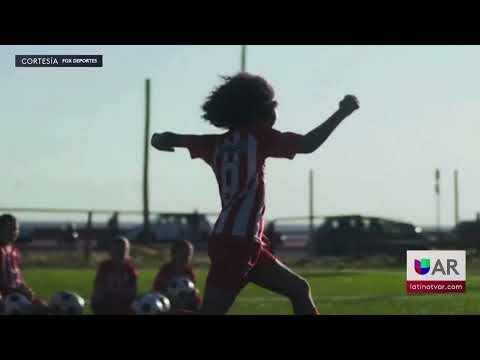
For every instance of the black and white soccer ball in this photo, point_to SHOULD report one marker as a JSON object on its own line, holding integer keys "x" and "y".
{"x": 149, "y": 304}
{"x": 165, "y": 301}
{"x": 67, "y": 303}
{"x": 180, "y": 291}
{"x": 16, "y": 304}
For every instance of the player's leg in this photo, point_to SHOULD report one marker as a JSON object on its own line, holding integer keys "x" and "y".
{"x": 231, "y": 260}
{"x": 225, "y": 280}
{"x": 220, "y": 293}
{"x": 271, "y": 274}
{"x": 217, "y": 301}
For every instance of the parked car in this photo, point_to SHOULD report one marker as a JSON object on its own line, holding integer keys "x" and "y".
{"x": 173, "y": 227}
{"x": 26, "y": 236}
{"x": 466, "y": 235}
{"x": 361, "y": 235}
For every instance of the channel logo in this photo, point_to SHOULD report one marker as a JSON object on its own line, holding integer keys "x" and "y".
{"x": 58, "y": 60}
{"x": 422, "y": 266}
{"x": 436, "y": 271}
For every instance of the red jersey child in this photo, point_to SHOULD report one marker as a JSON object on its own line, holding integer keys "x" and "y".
{"x": 245, "y": 105}
{"x": 11, "y": 277}
{"x": 180, "y": 266}
{"x": 115, "y": 285}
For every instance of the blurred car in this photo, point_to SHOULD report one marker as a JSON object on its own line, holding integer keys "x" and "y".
{"x": 359, "y": 236}
{"x": 173, "y": 227}
{"x": 466, "y": 235}
{"x": 69, "y": 236}
{"x": 26, "y": 236}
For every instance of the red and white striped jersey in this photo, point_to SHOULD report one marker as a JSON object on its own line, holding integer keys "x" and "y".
{"x": 10, "y": 273}
{"x": 238, "y": 160}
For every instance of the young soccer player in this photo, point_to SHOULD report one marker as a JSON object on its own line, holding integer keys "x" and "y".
{"x": 115, "y": 285}
{"x": 245, "y": 105}
{"x": 11, "y": 277}
{"x": 180, "y": 265}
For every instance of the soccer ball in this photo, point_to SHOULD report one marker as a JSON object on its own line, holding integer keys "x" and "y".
{"x": 149, "y": 304}
{"x": 180, "y": 290}
{"x": 67, "y": 303}
{"x": 165, "y": 301}
{"x": 16, "y": 304}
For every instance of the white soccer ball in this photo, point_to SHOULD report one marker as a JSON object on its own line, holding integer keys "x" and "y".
{"x": 165, "y": 301}
{"x": 67, "y": 303}
{"x": 16, "y": 304}
{"x": 149, "y": 304}
{"x": 180, "y": 290}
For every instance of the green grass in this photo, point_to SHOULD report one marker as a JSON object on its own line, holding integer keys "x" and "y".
{"x": 360, "y": 292}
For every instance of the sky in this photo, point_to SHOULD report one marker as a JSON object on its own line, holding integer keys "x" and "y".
{"x": 73, "y": 137}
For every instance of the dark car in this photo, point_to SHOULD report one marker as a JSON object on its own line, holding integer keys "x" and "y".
{"x": 173, "y": 227}
{"x": 467, "y": 234}
{"x": 26, "y": 236}
{"x": 360, "y": 236}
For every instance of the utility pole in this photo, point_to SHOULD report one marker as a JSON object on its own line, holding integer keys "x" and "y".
{"x": 146, "y": 210}
{"x": 243, "y": 58}
{"x": 311, "y": 210}
{"x": 456, "y": 196}
{"x": 437, "y": 192}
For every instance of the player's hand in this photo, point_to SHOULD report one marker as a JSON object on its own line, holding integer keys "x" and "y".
{"x": 349, "y": 104}
{"x": 162, "y": 141}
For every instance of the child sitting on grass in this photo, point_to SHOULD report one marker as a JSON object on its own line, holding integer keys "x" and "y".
{"x": 180, "y": 266}
{"x": 115, "y": 285}
{"x": 11, "y": 277}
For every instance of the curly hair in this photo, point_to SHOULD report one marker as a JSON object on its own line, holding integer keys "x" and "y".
{"x": 240, "y": 101}
{"x": 7, "y": 219}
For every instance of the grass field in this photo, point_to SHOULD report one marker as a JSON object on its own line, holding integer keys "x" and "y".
{"x": 359, "y": 292}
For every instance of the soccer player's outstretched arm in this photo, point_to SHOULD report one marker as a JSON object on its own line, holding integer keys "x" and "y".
{"x": 315, "y": 138}
{"x": 199, "y": 146}
{"x": 168, "y": 141}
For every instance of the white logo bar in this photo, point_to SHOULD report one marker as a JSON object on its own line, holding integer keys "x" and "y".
{"x": 437, "y": 265}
